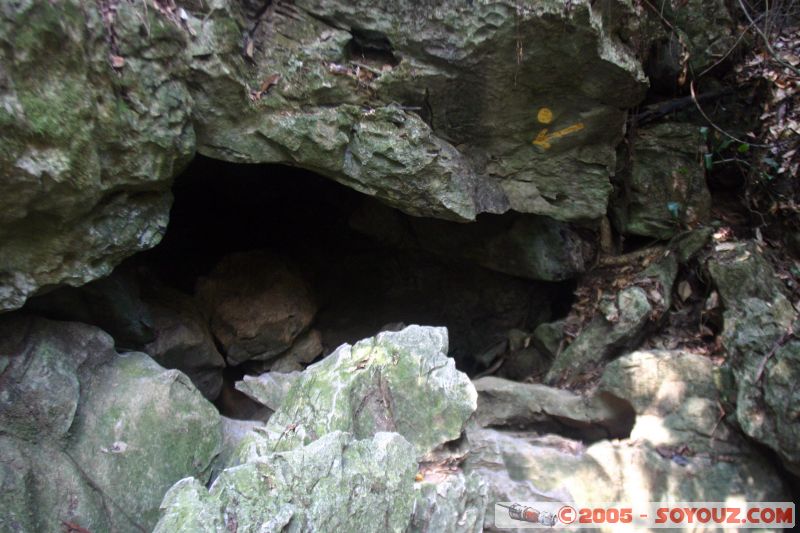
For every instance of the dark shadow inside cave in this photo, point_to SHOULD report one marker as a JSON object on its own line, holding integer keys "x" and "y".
{"x": 361, "y": 284}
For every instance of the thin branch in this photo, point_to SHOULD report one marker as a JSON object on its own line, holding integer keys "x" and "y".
{"x": 654, "y": 112}
{"x": 725, "y": 133}
{"x": 730, "y": 50}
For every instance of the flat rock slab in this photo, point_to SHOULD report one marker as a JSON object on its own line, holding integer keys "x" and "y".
{"x": 504, "y": 403}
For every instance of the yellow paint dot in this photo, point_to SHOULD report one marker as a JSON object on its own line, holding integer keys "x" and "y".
{"x": 545, "y": 116}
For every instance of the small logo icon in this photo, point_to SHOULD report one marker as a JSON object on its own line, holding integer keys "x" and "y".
{"x": 529, "y": 514}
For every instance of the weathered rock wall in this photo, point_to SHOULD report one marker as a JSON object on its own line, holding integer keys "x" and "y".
{"x": 447, "y": 109}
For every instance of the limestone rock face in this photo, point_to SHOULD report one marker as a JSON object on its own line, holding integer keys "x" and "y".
{"x": 347, "y": 435}
{"x": 704, "y": 27}
{"x": 87, "y": 151}
{"x": 675, "y": 396}
{"x": 678, "y": 450}
{"x": 764, "y": 356}
{"x": 448, "y": 111}
{"x": 90, "y": 436}
{"x": 433, "y": 110}
{"x": 112, "y": 303}
{"x": 396, "y": 381}
{"x": 257, "y": 304}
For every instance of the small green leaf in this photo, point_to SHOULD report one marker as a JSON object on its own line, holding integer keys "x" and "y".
{"x": 709, "y": 161}
{"x": 743, "y": 148}
{"x": 771, "y": 162}
{"x": 704, "y": 132}
{"x": 674, "y": 209}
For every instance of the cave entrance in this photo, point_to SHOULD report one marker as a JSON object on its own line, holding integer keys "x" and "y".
{"x": 361, "y": 278}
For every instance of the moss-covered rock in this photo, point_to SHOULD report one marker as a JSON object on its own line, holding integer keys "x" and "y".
{"x": 92, "y": 437}
{"x": 449, "y": 501}
{"x": 396, "y": 381}
{"x": 140, "y": 427}
{"x": 764, "y": 353}
{"x": 335, "y": 483}
{"x": 87, "y": 151}
{"x": 663, "y": 190}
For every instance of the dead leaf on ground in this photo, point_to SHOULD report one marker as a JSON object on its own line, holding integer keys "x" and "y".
{"x": 117, "y": 61}
{"x": 684, "y": 290}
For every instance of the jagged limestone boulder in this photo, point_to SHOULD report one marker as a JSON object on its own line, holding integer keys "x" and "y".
{"x": 764, "y": 354}
{"x": 449, "y": 501}
{"x": 269, "y": 389}
{"x": 87, "y": 149}
{"x": 233, "y": 433}
{"x": 93, "y": 437}
{"x": 620, "y": 320}
{"x": 258, "y": 305}
{"x": 336, "y": 483}
{"x": 400, "y": 395}
{"x": 182, "y": 340}
{"x": 663, "y": 190}
{"x": 363, "y": 92}
{"x": 396, "y": 381}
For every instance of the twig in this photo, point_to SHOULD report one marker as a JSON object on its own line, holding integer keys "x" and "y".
{"x": 660, "y": 15}
{"x": 778, "y": 344}
{"x": 766, "y": 40}
{"x": 732, "y": 160}
{"x": 719, "y": 420}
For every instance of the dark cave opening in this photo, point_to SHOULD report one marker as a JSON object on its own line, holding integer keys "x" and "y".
{"x": 361, "y": 284}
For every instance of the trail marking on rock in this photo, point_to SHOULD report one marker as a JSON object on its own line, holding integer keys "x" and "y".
{"x": 545, "y": 116}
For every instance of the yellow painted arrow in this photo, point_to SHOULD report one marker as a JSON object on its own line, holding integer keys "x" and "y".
{"x": 542, "y": 140}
